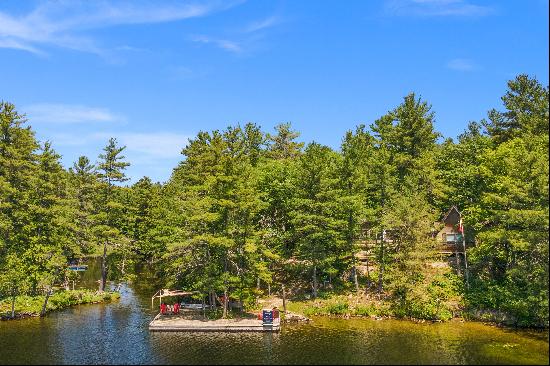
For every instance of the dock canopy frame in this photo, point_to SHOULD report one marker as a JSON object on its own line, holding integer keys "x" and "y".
{"x": 167, "y": 293}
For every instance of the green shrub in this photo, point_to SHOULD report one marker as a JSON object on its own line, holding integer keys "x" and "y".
{"x": 338, "y": 308}
{"x": 312, "y": 310}
{"x": 364, "y": 310}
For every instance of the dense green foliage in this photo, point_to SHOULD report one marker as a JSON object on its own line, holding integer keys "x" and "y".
{"x": 246, "y": 212}
{"x": 32, "y": 305}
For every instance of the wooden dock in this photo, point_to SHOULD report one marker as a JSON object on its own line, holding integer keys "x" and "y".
{"x": 175, "y": 323}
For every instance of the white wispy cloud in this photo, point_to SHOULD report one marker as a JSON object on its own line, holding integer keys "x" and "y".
{"x": 231, "y": 46}
{"x": 461, "y": 64}
{"x": 63, "y": 23}
{"x": 437, "y": 8}
{"x": 155, "y": 144}
{"x": 149, "y": 153}
{"x": 180, "y": 72}
{"x": 67, "y": 139}
{"x": 263, "y": 24}
{"x": 69, "y": 114}
{"x": 147, "y": 146}
{"x": 246, "y": 36}
{"x": 18, "y": 45}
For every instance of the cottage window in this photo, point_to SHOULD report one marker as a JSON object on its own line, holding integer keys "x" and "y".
{"x": 452, "y": 238}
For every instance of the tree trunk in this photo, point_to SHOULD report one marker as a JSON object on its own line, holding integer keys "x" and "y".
{"x": 284, "y": 298}
{"x": 368, "y": 272}
{"x": 13, "y": 305}
{"x": 34, "y": 285}
{"x": 457, "y": 260}
{"x": 355, "y": 280}
{"x": 381, "y": 264}
{"x": 212, "y": 300}
{"x": 225, "y": 301}
{"x": 315, "y": 285}
{"x": 122, "y": 269}
{"x": 465, "y": 260}
{"x": 351, "y": 247}
{"x": 381, "y": 279}
{"x": 48, "y": 293}
{"x": 104, "y": 268}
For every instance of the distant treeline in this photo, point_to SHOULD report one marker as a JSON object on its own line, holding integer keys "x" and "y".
{"x": 246, "y": 212}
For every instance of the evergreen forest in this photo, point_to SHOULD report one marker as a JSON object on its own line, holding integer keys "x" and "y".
{"x": 247, "y": 212}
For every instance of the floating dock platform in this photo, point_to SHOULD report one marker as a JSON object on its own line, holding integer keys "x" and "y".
{"x": 175, "y": 323}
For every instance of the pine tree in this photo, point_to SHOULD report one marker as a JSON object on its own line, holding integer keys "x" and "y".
{"x": 83, "y": 183}
{"x": 511, "y": 257}
{"x": 111, "y": 171}
{"x": 526, "y": 103}
{"x": 408, "y": 134}
{"x": 18, "y": 166}
{"x": 458, "y": 166}
{"x": 143, "y": 199}
{"x": 357, "y": 150}
{"x": 52, "y": 240}
{"x": 282, "y": 145}
{"x": 509, "y": 206}
{"x": 18, "y": 148}
{"x": 382, "y": 189}
{"x": 217, "y": 247}
{"x": 316, "y": 215}
{"x": 13, "y": 278}
{"x": 277, "y": 192}
{"x": 410, "y": 218}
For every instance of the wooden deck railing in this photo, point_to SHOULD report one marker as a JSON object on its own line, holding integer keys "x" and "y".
{"x": 366, "y": 248}
{"x": 453, "y": 247}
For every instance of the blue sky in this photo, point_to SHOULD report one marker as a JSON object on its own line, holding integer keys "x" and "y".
{"x": 154, "y": 73}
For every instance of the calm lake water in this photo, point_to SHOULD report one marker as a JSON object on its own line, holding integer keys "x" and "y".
{"x": 117, "y": 333}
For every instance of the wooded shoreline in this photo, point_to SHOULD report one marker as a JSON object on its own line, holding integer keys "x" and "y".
{"x": 31, "y": 306}
{"x": 247, "y": 214}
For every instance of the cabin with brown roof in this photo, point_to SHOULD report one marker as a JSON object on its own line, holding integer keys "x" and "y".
{"x": 450, "y": 238}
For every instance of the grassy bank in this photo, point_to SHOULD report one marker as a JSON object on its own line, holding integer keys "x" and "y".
{"x": 31, "y": 306}
{"x": 346, "y": 303}
{"x": 355, "y": 306}
{"x": 348, "y": 306}
{"x": 340, "y": 305}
